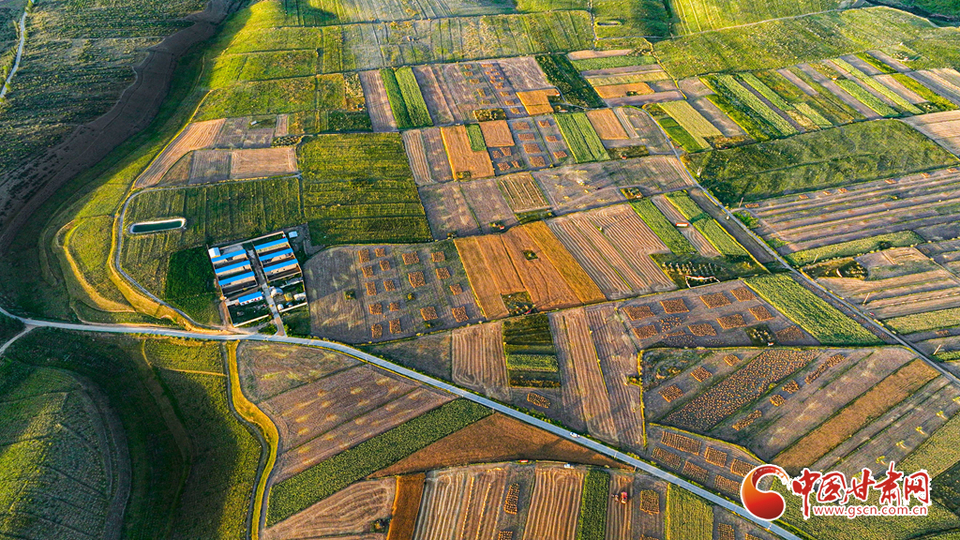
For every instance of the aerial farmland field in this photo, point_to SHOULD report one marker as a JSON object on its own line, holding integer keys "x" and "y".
{"x": 476, "y": 269}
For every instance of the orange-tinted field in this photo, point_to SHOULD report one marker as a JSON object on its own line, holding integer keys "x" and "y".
{"x": 465, "y": 163}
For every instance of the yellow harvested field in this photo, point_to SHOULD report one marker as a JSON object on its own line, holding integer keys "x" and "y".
{"x": 478, "y": 361}
{"x": 496, "y": 133}
{"x": 194, "y": 137}
{"x": 465, "y": 163}
{"x": 262, "y": 162}
{"x": 460, "y": 503}
{"x": 607, "y": 124}
{"x": 484, "y": 285}
{"x": 866, "y": 408}
{"x": 608, "y": 91}
{"x": 576, "y": 277}
{"x": 555, "y": 504}
{"x": 537, "y": 101}
{"x": 350, "y": 510}
{"x": 942, "y": 127}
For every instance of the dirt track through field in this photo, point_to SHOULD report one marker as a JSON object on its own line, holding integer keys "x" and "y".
{"x": 381, "y": 116}
{"x": 91, "y": 142}
{"x": 349, "y": 511}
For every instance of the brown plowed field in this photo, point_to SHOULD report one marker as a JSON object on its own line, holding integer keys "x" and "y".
{"x": 417, "y": 155}
{"x": 478, "y": 361}
{"x": 260, "y": 162}
{"x": 618, "y": 360}
{"x": 271, "y": 369}
{"x": 540, "y": 278}
{"x": 504, "y": 439}
{"x": 854, "y": 416}
{"x": 349, "y": 511}
{"x": 585, "y": 388}
{"x": 194, "y": 137}
{"x": 496, "y": 133}
{"x": 607, "y": 125}
{"x": 406, "y": 507}
{"x": 613, "y": 91}
{"x": 465, "y": 163}
{"x": 555, "y": 504}
{"x": 462, "y": 503}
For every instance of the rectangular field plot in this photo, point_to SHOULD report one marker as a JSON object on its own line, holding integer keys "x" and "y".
{"x": 697, "y": 317}
{"x": 632, "y": 85}
{"x": 841, "y": 222}
{"x": 351, "y": 509}
{"x": 359, "y": 301}
{"x": 942, "y": 127}
{"x": 614, "y": 246}
{"x": 522, "y": 268}
{"x": 359, "y": 188}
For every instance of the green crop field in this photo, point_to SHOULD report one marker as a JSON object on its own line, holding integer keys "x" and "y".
{"x": 316, "y": 483}
{"x": 662, "y": 227}
{"x": 190, "y": 284}
{"x": 868, "y": 99}
{"x": 620, "y": 22}
{"x": 771, "y": 124}
{"x": 529, "y": 351}
{"x": 824, "y": 322}
{"x": 215, "y": 213}
{"x": 854, "y": 247}
{"x": 413, "y": 98}
{"x": 721, "y": 239}
{"x": 921, "y": 322}
{"x": 785, "y": 42}
{"x": 382, "y": 203}
{"x": 592, "y": 521}
{"x": 475, "y": 134}
{"x": 702, "y": 15}
{"x": 689, "y": 142}
{"x": 826, "y": 158}
{"x": 573, "y": 88}
{"x": 607, "y": 62}
{"x": 687, "y": 516}
{"x": 881, "y": 89}
{"x": 581, "y": 138}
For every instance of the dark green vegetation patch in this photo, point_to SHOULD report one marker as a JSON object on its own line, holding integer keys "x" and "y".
{"x": 821, "y": 159}
{"x": 824, "y": 322}
{"x": 359, "y": 189}
{"x": 574, "y": 88}
{"x": 190, "y": 280}
{"x": 592, "y": 522}
{"x": 530, "y": 353}
{"x": 320, "y": 481}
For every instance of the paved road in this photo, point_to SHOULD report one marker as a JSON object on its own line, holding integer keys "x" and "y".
{"x": 436, "y": 383}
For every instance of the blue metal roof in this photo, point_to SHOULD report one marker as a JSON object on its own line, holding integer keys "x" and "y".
{"x": 232, "y": 268}
{"x": 235, "y": 279}
{"x": 285, "y": 264}
{"x": 275, "y": 254}
{"x": 226, "y": 256}
{"x": 250, "y": 297}
{"x": 268, "y": 245}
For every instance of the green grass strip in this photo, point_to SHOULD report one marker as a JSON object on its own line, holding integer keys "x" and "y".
{"x": 868, "y": 99}
{"x": 662, "y": 227}
{"x": 876, "y": 63}
{"x": 688, "y": 517}
{"x": 475, "y": 134}
{"x": 877, "y": 86}
{"x": 296, "y": 493}
{"x": 581, "y": 137}
{"x": 921, "y": 322}
{"x": 397, "y": 104}
{"x": 824, "y": 322}
{"x": 720, "y": 238}
{"x": 608, "y": 62}
{"x": 687, "y": 206}
{"x": 416, "y": 106}
{"x": 689, "y": 142}
{"x": 914, "y": 85}
{"x": 811, "y": 113}
{"x": 592, "y": 523}
{"x": 751, "y": 102}
{"x": 853, "y": 248}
